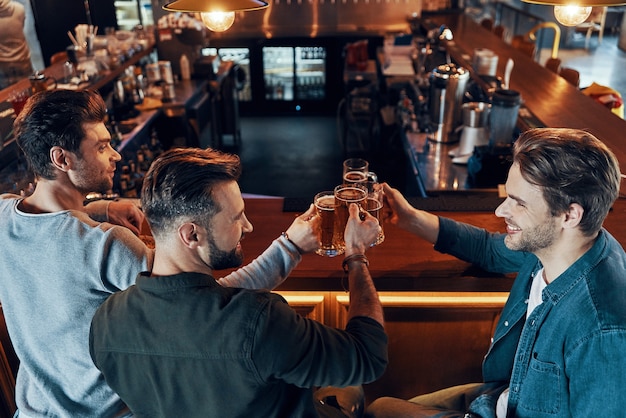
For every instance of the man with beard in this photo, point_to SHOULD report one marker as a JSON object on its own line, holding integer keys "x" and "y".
{"x": 57, "y": 264}
{"x": 178, "y": 344}
{"x": 558, "y": 349}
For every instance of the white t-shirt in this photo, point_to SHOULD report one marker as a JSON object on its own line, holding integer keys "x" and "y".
{"x": 534, "y": 300}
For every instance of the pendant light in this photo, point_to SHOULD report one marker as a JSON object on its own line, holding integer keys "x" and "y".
{"x": 574, "y": 12}
{"x": 570, "y": 15}
{"x": 217, "y": 15}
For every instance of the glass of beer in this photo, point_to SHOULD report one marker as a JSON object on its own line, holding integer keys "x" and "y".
{"x": 330, "y": 239}
{"x": 355, "y": 170}
{"x": 18, "y": 100}
{"x": 374, "y": 206}
{"x": 346, "y": 194}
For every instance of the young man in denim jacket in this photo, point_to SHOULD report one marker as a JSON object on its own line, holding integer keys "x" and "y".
{"x": 558, "y": 349}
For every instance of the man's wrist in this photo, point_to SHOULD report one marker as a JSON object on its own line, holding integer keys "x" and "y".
{"x": 284, "y": 235}
{"x": 353, "y": 259}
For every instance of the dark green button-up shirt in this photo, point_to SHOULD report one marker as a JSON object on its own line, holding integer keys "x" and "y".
{"x": 185, "y": 346}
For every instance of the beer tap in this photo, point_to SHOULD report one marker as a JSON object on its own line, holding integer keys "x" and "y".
{"x": 445, "y": 34}
{"x": 438, "y": 54}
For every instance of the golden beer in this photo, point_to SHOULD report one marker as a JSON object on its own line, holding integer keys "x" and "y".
{"x": 352, "y": 177}
{"x": 329, "y": 238}
{"x": 374, "y": 206}
{"x": 344, "y": 196}
{"x": 355, "y": 170}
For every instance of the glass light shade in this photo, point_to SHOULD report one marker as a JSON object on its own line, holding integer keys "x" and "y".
{"x": 218, "y": 21}
{"x": 569, "y": 15}
{"x": 203, "y": 6}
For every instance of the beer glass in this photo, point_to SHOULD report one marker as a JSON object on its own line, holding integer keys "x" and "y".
{"x": 346, "y": 194}
{"x": 374, "y": 206}
{"x": 330, "y": 239}
{"x": 355, "y": 170}
{"x": 18, "y": 100}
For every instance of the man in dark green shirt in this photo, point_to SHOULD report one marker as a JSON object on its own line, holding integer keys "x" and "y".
{"x": 179, "y": 344}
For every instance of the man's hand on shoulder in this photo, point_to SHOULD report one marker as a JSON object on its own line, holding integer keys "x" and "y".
{"x": 125, "y": 213}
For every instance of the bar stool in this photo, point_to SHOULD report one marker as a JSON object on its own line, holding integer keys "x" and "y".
{"x": 571, "y": 75}
{"x": 532, "y": 36}
{"x": 553, "y": 64}
{"x": 520, "y": 43}
{"x": 487, "y": 23}
{"x": 499, "y": 31}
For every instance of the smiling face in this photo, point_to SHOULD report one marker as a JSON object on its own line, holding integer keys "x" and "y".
{"x": 227, "y": 227}
{"x": 530, "y": 226}
{"x": 93, "y": 169}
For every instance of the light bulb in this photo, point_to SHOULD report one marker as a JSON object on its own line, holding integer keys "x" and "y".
{"x": 571, "y": 15}
{"x": 218, "y": 21}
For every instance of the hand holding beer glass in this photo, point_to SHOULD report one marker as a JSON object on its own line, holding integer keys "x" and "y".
{"x": 374, "y": 206}
{"x": 361, "y": 187}
{"x": 329, "y": 238}
{"x": 345, "y": 194}
{"x": 332, "y": 207}
{"x": 356, "y": 171}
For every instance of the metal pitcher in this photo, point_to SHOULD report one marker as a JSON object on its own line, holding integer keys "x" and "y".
{"x": 41, "y": 82}
{"x": 447, "y": 87}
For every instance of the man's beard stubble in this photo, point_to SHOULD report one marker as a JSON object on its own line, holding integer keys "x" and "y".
{"x": 221, "y": 260}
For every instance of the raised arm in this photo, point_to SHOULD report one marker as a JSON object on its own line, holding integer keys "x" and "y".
{"x": 400, "y": 212}
{"x": 359, "y": 234}
{"x": 273, "y": 266}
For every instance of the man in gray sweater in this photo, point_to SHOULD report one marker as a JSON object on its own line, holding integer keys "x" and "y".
{"x": 57, "y": 264}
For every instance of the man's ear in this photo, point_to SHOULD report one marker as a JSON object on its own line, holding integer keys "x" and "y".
{"x": 573, "y": 216}
{"x": 60, "y": 158}
{"x": 190, "y": 234}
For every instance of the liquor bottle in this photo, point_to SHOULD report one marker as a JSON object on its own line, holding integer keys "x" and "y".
{"x": 185, "y": 71}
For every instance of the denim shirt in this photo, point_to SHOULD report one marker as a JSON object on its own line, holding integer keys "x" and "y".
{"x": 569, "y": 357}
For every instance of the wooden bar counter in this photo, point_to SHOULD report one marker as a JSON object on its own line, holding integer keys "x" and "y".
{"x": 440, "y": 312}
{"x": 401, "y": 262}
{"x": 56, "y": 71}
{"x": 549, "y": 97}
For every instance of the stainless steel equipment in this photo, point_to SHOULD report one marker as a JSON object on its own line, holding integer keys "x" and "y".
{"x": 475, "y": 131}
{"x": 505, "y": 106}
{"x": 447, "y": 87}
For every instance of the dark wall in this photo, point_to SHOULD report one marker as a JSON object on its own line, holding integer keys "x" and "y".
{"x": 53, "y": 18}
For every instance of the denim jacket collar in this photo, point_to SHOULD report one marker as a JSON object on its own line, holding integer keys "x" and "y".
{"x": 556, "y": 290}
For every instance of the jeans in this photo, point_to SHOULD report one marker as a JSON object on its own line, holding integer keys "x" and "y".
{"x": 451, "y": 402}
